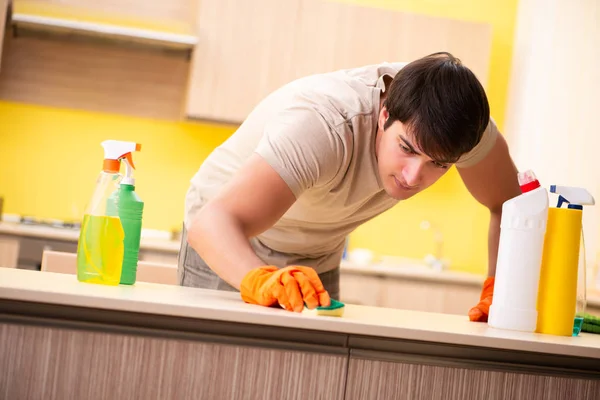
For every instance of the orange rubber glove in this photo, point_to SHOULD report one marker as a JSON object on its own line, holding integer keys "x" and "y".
{"x": 480, "y": 312}
{"x": 291, "y": 287}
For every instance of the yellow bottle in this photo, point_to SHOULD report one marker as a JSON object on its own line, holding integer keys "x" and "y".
{"x": 557, "y": 293}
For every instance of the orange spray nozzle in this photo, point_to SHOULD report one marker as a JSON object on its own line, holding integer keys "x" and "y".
{"x": 115, "y": 150}
{"x": 129, "y": 159}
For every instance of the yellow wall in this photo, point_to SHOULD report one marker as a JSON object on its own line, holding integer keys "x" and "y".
{"x": 49, "y": 158}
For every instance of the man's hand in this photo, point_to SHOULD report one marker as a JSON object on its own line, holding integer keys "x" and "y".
{"x": 291, "y": 287}
{"x": 492, "y": 181}
{"x": 480, "y": 312}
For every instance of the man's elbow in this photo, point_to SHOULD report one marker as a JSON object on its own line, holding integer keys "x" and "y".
{"x": 198, "y": 222}
{"x": 495, "y": 210}
{"x": 499, "y": 196}
{"x": 210, "y": 220}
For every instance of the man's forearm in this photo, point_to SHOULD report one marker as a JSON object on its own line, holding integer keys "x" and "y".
{"x": 223, "y": 246}
{"x": 493, "y": 240}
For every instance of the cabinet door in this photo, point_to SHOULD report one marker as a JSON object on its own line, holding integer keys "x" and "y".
{"x": 459, "y": 299}
{"x": 244, "y": 52}
{"x": 398, "y": 381}
{"x": 429, "y": 296}
{"x": 94, "y": 77}
{"x": 32, "y": 250}
{"x": 9, "y": 252}
{"x": 414, "y": 295}
{"x": 3, "y": 16}
{"x": 335, "y": 35}
{"x": 158, "y": 256}
{"x": 77, "y": 364}
{"x": 247, "y": 49}
{"x": 361, "y": 289}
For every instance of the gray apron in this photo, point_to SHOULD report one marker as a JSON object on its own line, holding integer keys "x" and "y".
{"x": 193, "y": 271}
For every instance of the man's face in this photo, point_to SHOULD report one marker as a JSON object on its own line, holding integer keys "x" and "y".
{"x": 403, "y": 168}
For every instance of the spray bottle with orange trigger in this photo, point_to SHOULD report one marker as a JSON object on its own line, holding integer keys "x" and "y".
{"x": 128, "y": 205}
{"x": 100, "y": 247}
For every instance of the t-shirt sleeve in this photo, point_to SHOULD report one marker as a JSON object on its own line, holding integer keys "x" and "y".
{"x": 302, "y": 148}
{"x": 478, "y": 153}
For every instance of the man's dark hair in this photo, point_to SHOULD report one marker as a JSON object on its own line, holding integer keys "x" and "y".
{"x": 442, "y": 105}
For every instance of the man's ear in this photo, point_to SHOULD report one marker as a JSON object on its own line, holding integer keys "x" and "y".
{"x": 387, "y": 81}
{"x": 383, "y": 117}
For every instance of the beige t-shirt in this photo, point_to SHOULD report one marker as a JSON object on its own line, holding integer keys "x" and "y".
{"x": 318, "y": 133}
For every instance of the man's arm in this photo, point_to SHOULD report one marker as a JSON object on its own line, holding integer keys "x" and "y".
{"x": 492, "y": 181}
{"x": 253, "y": 201}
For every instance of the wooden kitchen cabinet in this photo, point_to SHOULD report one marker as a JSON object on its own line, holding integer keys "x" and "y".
{"x": 248, "y": 49}
{"x": 158, "y": 256}
{"x": 332, "y": 35}
{"x": 9, "y": 252}
{"x": 361, "y": 290}
{"x": 413, "y": 295}
{"x": 408, "y": 292}
{"x": 91, "y": 365}
{"x": 56, "y": 55}
{"x": 3, "y": 18}
{"x": 429, "y": 296}
{"x": 459, "y": 299}
{"x": 32, "y": 249}
{"x": 244, "y": 51}
{"x": 390, "y": 380}
{"x": 94, "y": 77}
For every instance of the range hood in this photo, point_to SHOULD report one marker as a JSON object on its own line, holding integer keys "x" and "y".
{"x": 37, "y": 23}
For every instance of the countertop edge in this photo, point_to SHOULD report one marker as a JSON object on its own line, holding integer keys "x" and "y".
{"x": 295, "y": 339}
{"x": 255, "y": 315}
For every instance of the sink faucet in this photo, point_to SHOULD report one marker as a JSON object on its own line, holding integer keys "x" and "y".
{"x": 435, "y": 260}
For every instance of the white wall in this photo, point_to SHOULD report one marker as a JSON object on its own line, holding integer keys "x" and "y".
{"x": 553, "y": 113}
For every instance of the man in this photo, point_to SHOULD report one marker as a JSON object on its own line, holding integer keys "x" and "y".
{"x": 269, "y": 210}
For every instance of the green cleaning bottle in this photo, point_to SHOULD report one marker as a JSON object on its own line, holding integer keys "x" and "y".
{"x": 129, "y": 207}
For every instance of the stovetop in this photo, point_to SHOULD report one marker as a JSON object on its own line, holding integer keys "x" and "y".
{"x": 54, "y": 223}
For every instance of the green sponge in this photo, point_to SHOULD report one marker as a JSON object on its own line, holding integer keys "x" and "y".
{"x": 334, "y": 304}
{"x": 335, "y": 309}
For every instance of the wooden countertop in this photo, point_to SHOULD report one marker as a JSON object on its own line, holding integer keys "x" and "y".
{"x": 146, "y": 298}
{"x": 173, "y": 246}
{"x": 72, "y": 235}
